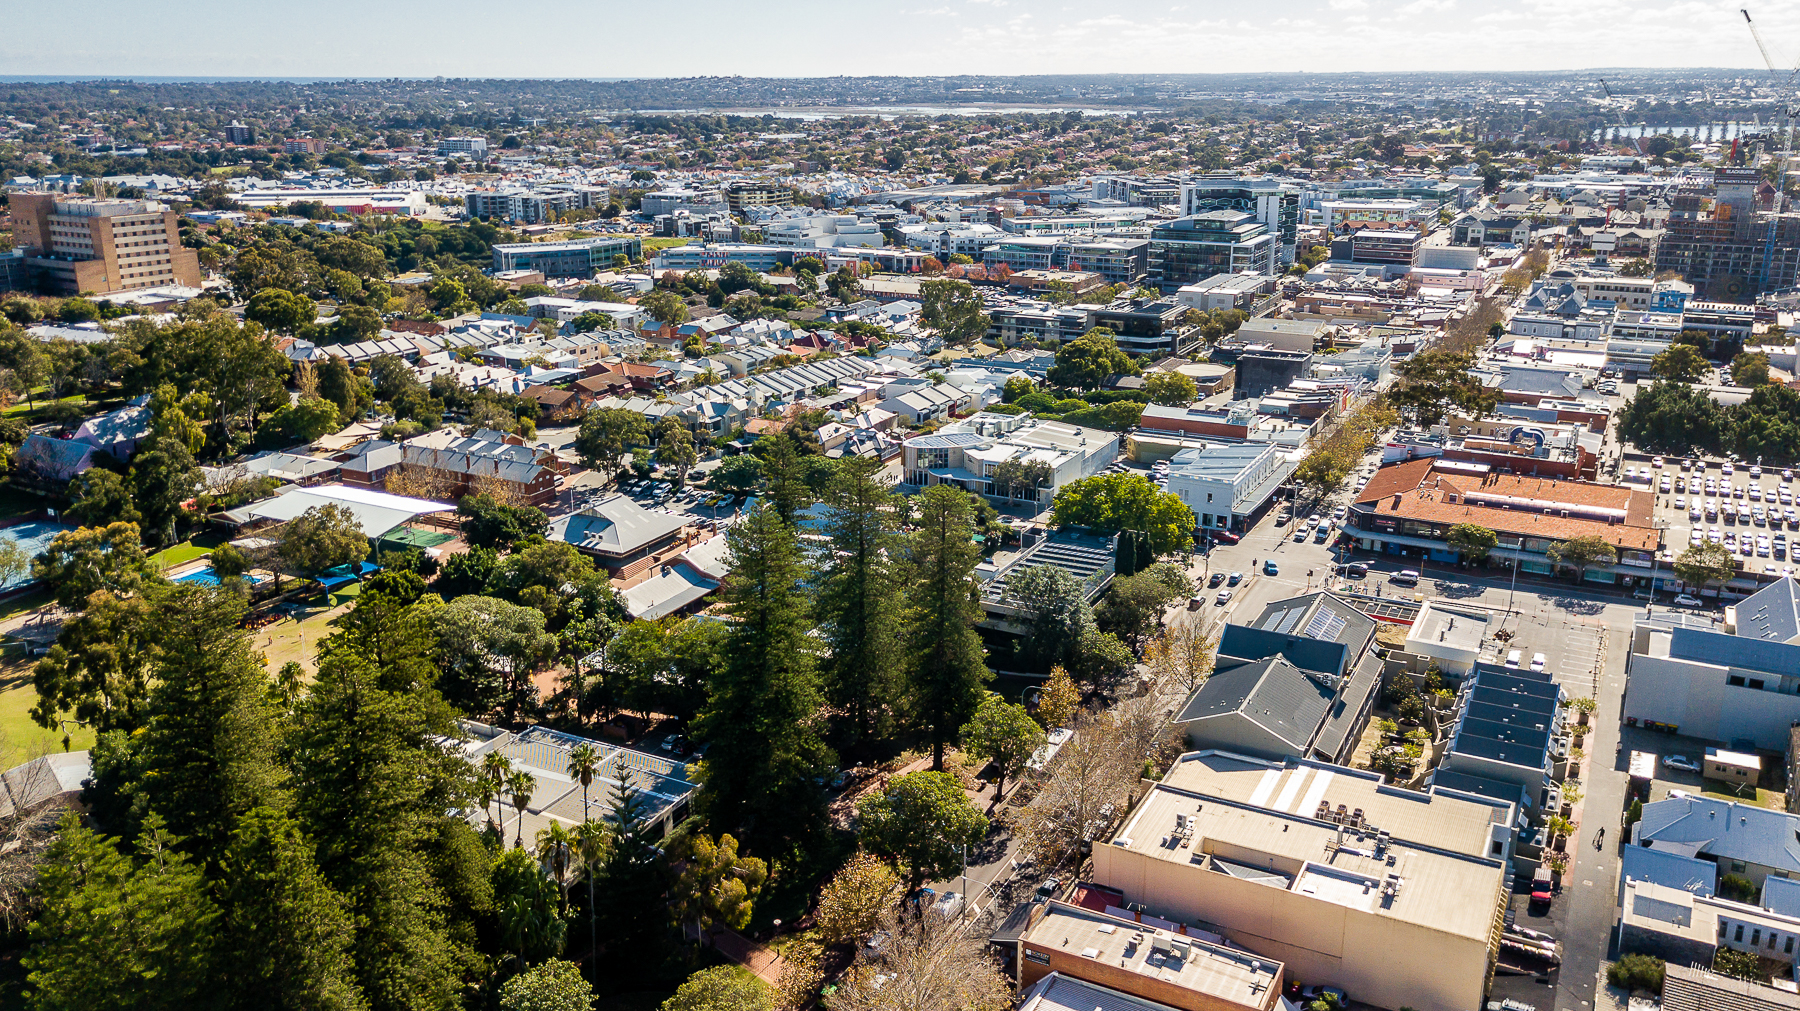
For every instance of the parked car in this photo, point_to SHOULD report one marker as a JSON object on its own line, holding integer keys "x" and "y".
{"x": 1405, "y": 577}
{"x": 1355, "y": 570}
{"x": 1681, "y": 763}
{"x": 1234, "y": 579}
{"x": 1542, "y": 881}
{"x": 1538, "y": 660}
{"x": 1300, "y": 535}
{"x": 1686, "y": 601}
{"x": 1196, "y": 602}
{"x": 1224, "y": 598}
{"x": 1225, "y": 537}
{"x": 1214, "y": 581}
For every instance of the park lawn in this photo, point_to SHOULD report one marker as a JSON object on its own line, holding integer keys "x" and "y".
{"x": 287, "y": 640}
{"x": 655, "y": 243}
{"x": 21, "y": 740}
{"x": 170, "y": 557}
{"x": 32, "y": 413}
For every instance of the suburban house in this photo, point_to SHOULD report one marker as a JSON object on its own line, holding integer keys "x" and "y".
{"x": 624, "y": 537}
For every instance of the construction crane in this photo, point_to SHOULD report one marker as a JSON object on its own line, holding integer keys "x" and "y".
{"x": 1785, "y": 91}
{"x": 1637, "y": 141}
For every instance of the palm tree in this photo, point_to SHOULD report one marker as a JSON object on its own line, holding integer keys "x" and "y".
{"x": 584, "y": 765}
{"x": 556, "y": 851}
{"x": 494, "y": 767}
{"x": 520, "y": 784}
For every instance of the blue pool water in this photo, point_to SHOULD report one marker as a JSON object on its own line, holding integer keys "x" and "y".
{"x": 204, "y": 576}
{"x": 32, "y": 536}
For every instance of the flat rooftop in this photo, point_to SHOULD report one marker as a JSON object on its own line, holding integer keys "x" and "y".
{"x": 1274, "y": 822}
{"x": 1229, "y": 974}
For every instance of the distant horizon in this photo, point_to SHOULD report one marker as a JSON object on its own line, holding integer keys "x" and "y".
{"x": 332, "y": 40}
{"x": 100, "y": 78}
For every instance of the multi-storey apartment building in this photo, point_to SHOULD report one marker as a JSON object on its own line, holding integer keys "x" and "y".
{"x": 476, "y": 146}
{"x": 75, "y": 244}
{"x": 1726, "y": 240}
{"x": 1275, "y": 204}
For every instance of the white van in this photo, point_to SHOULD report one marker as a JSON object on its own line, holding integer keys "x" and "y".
{"x": 1512, "y": 658}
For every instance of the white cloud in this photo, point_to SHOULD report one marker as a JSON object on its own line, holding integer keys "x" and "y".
{"x": 1349, "y": 5}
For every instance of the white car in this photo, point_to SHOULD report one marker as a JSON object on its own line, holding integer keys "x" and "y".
{"x": 1663, "y": 485}
{"x": 1656, "y": 461}
{"x": 1686, "y": 601}
{"x": 1755, "y": 471}
{"x": 1680, "y": 503}
{"x": 1755, "y": 493}
{"x": 1695, "y": 513}
{"x": 1680, "y": 762}
{"x": 1725, "y": 470}
{"x": 1537, "y": 661}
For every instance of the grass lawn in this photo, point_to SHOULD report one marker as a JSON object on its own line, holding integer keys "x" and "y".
{"x": 290, "y": 640}
{"x": 20, "y": 739}
{"x": 32, "y": 413}
{"x": 186, "y": 551}
{"x": 655, "y": 243}
{"x": 1763, "y": 798}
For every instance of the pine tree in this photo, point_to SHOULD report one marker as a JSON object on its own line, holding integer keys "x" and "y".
{"x": 859, "y": 602}
{"x": 118, "y": 932}
{"x": 373, "y": 787}
{"x": 206, "y": 753}
{"x": 943, "y": 598}
{"x": 786, "y": 475}
{"x": 765, "y": 698}
{"x": 290, "y": 933}
{"x": 634, "y": 877}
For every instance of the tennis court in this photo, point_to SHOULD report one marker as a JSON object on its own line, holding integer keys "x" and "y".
{"x": 32, "y": 537}
{"x": 413, "y": 537}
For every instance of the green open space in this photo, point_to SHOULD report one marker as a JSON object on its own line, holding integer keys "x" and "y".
{"x": 22, "y": 740}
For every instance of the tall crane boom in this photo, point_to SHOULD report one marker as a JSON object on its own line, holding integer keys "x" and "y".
{"x": 1784, "y": 90}
{"x": 1637, "y": 141}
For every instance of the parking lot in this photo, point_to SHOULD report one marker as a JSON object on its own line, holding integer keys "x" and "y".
{"x": 1753, "y": 511}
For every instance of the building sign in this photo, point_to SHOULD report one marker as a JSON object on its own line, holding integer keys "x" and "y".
{"x": 1040, "y": 957}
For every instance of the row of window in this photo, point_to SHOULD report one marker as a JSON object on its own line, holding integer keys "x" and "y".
{"x": 1756, "y": 938}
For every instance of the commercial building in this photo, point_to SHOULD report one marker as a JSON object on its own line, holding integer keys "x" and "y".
{"x": 1339, "y": 216}
{"x": 744, "y": 195}
{"x": 1148, "y": 326}
{"x": 1225, "y": 291}
{"x": 1228, "y": 486}
{"x": 1408, "y": 509}
{"x": 476, "y": 146}
{"x": 1508, "y": 733}
{"x": 1274, "y": 203}
{"x": 968, "y": 452}
{"x": 1389, "y": 247}
{"x": 1061, "y": 953}
{"x": 1198, "y": 246}
{"x": 1298, "y": 681}
{"x": 1396, "y": 896}
{"x": 1736, "y": 682}
{"x": 569, "y": 258}
{"x": 77, "y": 244}
{"x": 1137, "y": 191}
{"x": 713, "y": 255}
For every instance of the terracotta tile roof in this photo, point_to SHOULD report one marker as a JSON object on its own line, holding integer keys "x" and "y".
{"x": 1416, "y": 491}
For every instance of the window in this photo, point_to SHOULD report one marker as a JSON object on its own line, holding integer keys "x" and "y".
{"x": 1756, "y": 683}
{"x": 1756, "y": 937}
{"x": 1735, "y": 681}
{"x": 1209, "y": 496}
{"x": 1740, "y": 934}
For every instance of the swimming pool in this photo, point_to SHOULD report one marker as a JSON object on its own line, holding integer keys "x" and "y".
{"x": 205, "y": 576}
{"x": 32, "y": 536}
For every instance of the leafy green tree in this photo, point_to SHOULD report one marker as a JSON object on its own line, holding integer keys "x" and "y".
{"x": 593, "y": 320}
{"x": 1060, "y": 615}
{"x": 1741, "y": 964}
{"x": 117, "y": 931}
{"x": 322, "y": 537}
{"x": 859, "y": 603}
{"x": 1004, "y": 734}
{"x": 1750, "y": 368}
{"x": 552, "y": 985}
{"x": 760, "y": 720}
{"x": 947, "y": 667}
{"x": 856, "y": 900}
{"x": 665, "y": 307}
{"x": 351, "y": 393}
{"x": 101, "y": 497}
{"x": 1017, "y": 480}
{"x": 1086, "y": 362}
{"x": 489, "y": 649}
{"x": 737, "y": 475}
{"x": 635, "y": 878}
{"x": 1102, "y": 658}
{"x": 303, "y": 421}
{"x": 1134, "y": 602}
{"x": 280, "y": 310}
{"x": 1633, "y": 972}
{"x": 1706, "y": 563}
{"x": 1767, "y": 426}
{"x": 1171, "y": 389}
{"x": 1582, "y": 553}
{"x": 607, "y": 435}
{"x": 953, "y": 309}
{"x": 487, "y": 523}
{"x": 81, "y": 562}
{"x": 1435, "y": 382}
{"x": 716, "y": 884}
{"x": 675, "y": 449}
{"x": 1472, "y": 541}
{"x": 1673, "y": 418}
{"x": 722, "y": 988}
{"x": 1682, "y": 363}
{"x": 923, "y": 821}
{"x": 98, "y": 673}
{"x": 531, "y": 926}
{"x": 1116, "y": 502}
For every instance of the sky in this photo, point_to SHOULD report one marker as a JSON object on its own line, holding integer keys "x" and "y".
{"x": 807, "y": 38}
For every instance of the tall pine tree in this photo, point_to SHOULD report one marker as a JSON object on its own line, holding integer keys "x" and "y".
{"x": 761, "y": 718}
{"x": 859, "y": 604}
{"x": 947, "y": 667}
